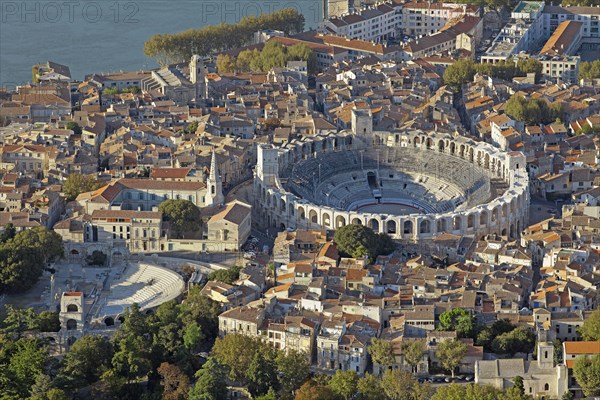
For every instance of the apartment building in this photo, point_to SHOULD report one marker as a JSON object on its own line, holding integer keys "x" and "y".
{"x": 424, "y": 18}
{"x": 374, "y": 23}
{"x": 557, "y": 55}
{"x": 589, "y": 17}
{"x": 522, "y": 33}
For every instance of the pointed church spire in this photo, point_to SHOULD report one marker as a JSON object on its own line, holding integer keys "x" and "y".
{"x": 214, "y": 186}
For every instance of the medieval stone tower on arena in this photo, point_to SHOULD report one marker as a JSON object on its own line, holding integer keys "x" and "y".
{"x": 197, "y": 76}
{"x": 71, "y": 311}
{"x": 214, "y": 186}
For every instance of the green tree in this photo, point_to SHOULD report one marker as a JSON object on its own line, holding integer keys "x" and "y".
{"x": 210, "y": 382}
{"x": 75, "y": 184}
{"x": 270, "y": 395}
{"x": 74, "y": 126}
{"x": 519, "y": 340}
{"x": 518, "y": 385}
{"x": 471, "y": 391}
{"x": 19, "y": 320}
{"x": 459, "y": 73}
{"x": 225, "y": 64}
{"x": 192, "y": 336}
{"x": 587, "y": 373}
{"x": 401, "y": 385}
{"x": 344, "y": 384}
{"x": 458, "y": 320}
{"x": 413, "y": 351}
{"x": 236, "y": 352}
{"x": 351, "y": 237}
{"x": 589, "y": 69}
{"x": 202, "y": 310}
{"x": 381, "y": 352}
{"x": 7, "y": 233}
{"x": 96, "y": 258}
{"x": 450, "y": 353}
{"x": 228, "y": 275}
{"x": 369, "y": 388}
{"x": 262, "y": 371}
{"x": 26, "y": 363}
{"x": 590, "y": 330}
{"x": 183, "y": 215}
{"x": 293, "y": 369}
{"x": 48, "y": 321}
{"x": 88, "y": 358}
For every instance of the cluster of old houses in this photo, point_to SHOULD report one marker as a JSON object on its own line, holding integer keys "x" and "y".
{"x": 331, "y": 308}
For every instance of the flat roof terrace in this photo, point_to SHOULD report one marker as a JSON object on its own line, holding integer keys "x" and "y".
{"x": 528, "y": 7}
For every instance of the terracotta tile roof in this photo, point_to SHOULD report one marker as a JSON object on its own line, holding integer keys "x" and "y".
{"x": 582, "y": 347}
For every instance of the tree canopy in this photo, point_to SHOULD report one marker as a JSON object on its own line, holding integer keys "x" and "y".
{"x": 75, "y": 184}
{"x": 450, "y": 353}
{"x": 590, "y": 330}
{"x": 172, "y": 48}
{"x": 532, "y": 111}
{"x": 183, "y": 215}
{"x": 458, "y": 320}
{"x": 273, "y": 55}
{"x": 587, "y": 373}
{"x": 463, "y": 70}
{"x": 589, "y": 69}
{"x": 358, "y": 241}
{"x": 23, "y": 258}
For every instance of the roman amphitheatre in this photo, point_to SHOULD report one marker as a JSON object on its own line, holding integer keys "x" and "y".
{"x": 411, "y": 185}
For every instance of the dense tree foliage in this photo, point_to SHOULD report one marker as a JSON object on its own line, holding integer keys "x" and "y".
{"x": 381, "y": 352}
{"x": 344, "y": 384}
{"x": 590, "y": 330}
{"x": 450, "y": 353}
{"x": 413, "y": 351}
{"x": 401, "y": 385}
{"x": 358, "y": 241}
{"x": 183, "y": 215}
{"x": 589, "y": 69}
{"x": 532, "y": 111}
{"x": 178, "y": 47}
{"x": 463, "y": 71}
{"x": 519, "y": 340}
{"x": 23, "y": 258}
{"x": 273, "y": 55}
{"x": 474, "y": 391}
{"x": 75, "y": 184}
{"x": 487, "y": 334}
{"x": 587, "y": 373}
{"x": 458, "y": 320}
{"x": 228, "y": 275}
{"x": 74, "y": 126}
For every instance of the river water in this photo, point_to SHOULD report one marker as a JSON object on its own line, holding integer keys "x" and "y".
{"x": 107, "y": 35}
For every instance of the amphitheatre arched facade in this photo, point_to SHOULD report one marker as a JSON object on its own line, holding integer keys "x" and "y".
{"x": 411, "y": 185}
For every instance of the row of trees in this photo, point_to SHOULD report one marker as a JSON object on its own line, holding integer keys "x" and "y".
{"x": 533, "y": 111}
{"x": 449, "y": 352}
{"x": 359, "y": 241}
{"x": 178, "y": 47}
{"x": 398, "y": 385}
{"x": 273, "y": 55}
{"x": 589, "y": 69}
{"x": 23, "y": 256}
{"x": 463, "y": 71}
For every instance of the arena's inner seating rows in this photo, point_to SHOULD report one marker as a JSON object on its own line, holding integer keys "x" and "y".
{"x": 436, "y": 182}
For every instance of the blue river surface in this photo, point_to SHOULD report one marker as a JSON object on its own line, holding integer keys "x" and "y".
{"x": 108, "y": 35}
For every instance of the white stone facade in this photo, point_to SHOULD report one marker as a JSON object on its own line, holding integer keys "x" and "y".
{"x": 505, "y": 214}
